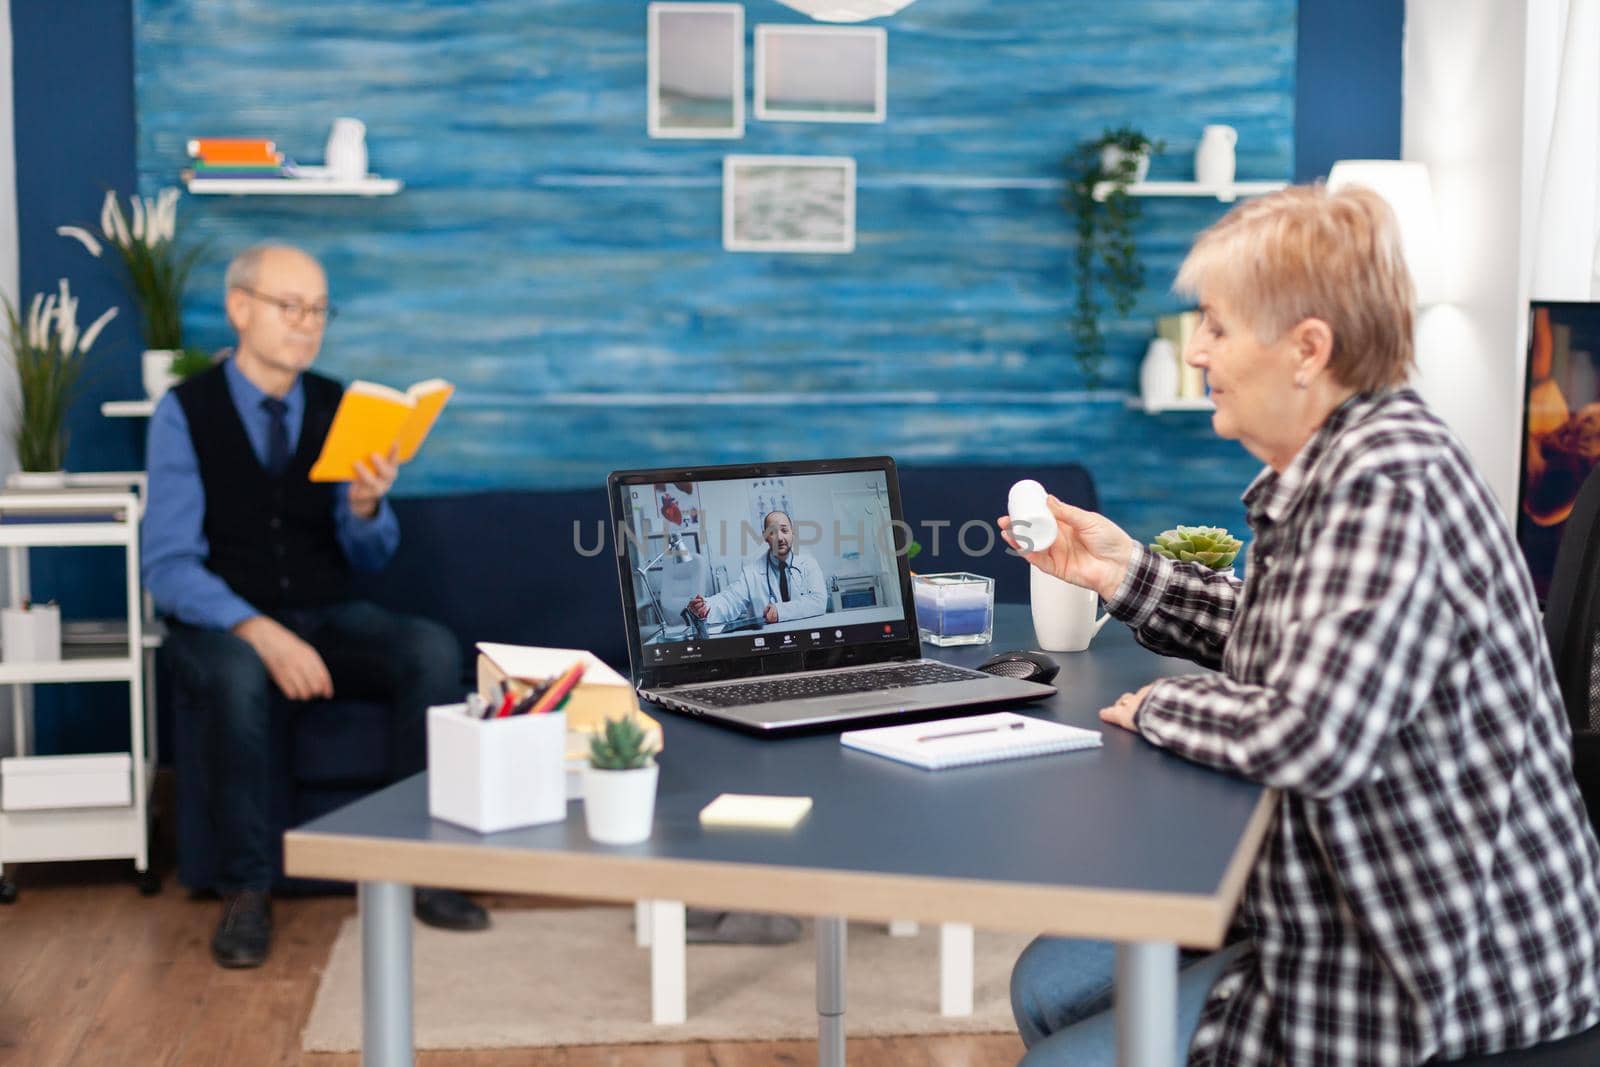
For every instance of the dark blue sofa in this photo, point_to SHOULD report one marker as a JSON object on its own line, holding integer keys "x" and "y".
{"x": 507, "y": 566}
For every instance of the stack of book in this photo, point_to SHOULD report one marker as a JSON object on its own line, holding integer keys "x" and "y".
{"x": 1178, "y": 329}
{"x": 235, "y": 157}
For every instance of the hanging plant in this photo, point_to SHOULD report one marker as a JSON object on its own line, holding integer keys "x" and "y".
{"x": 1105, "y": 252}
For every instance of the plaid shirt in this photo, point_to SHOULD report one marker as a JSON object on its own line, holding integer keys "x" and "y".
{"x": 1428, "y": 887}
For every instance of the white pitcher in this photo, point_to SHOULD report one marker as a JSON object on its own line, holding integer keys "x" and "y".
{"x": 346, "y": 154}
{"x": 1214, "y": 159}
{"x": 1063, "y": 613}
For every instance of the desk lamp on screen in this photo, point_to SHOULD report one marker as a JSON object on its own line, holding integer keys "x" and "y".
{"x": 1560, "y": 426}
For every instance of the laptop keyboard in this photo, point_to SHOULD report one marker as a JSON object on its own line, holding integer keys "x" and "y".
{"x": 803, "y": 686}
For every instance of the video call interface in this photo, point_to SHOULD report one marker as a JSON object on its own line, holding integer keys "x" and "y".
{"x": 754, "y": 566}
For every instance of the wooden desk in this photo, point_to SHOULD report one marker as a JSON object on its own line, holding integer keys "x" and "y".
{"x": 1123, "y": 843}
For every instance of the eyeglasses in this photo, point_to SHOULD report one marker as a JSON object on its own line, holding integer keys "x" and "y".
{"x": 294, "y": 312}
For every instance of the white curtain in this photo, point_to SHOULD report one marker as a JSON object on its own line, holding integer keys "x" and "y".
{"x": 1564, "y": 53}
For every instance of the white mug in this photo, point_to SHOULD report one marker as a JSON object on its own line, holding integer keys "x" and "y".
{"x": 1063, "y": 613}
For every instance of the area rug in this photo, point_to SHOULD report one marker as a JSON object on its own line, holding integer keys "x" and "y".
{"x": 574, "y": 977}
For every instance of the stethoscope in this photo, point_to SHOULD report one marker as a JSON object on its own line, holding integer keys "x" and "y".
{"x": 794, "y": 569}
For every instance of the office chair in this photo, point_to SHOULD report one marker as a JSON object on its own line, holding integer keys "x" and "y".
{"x": 1572, "y": 624}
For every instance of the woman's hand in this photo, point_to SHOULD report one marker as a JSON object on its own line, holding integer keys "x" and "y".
{"x": 1089, "y": 550}
{"x": 1127, "y": 706}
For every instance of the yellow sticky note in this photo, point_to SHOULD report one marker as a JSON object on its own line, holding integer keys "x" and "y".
{"x": 752, "y": 810}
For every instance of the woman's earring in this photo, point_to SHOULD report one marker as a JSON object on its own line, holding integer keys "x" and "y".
{"x": 1301, "y": 383}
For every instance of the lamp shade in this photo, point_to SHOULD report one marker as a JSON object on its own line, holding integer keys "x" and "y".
{"x": 1409, "y": 193}
{"x": 846, "y": 10}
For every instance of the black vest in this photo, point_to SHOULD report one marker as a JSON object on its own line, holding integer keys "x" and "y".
{"x": 273, "y": 540}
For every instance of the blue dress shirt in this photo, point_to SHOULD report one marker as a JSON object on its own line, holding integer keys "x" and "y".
{"x": 174, "y": 548}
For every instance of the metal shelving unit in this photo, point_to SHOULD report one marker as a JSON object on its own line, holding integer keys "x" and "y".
{"x": 75, "y": 822}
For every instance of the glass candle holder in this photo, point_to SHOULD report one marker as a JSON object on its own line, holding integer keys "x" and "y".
{"x": 955, "y": 608}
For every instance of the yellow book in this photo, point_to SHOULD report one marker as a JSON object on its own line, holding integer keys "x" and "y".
{"x": 374, "y": 418}
{"x": 601, "y": 694}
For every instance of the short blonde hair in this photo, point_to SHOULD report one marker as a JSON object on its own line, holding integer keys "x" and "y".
{"x": 1306, "y": 253}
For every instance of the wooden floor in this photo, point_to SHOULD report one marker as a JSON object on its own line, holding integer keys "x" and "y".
{"x": 92, "y": 973}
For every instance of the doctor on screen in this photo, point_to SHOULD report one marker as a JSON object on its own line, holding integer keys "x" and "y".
{"x": 780, "y": 584}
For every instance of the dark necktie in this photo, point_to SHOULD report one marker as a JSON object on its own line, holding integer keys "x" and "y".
{"x": 783, "y": 581}
{"x": 277, "y": 435}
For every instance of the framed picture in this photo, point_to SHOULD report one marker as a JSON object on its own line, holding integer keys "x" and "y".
{"x": 788, "y": 203}
{"x": 696, "y": 70}
{"x": 821, "y": 73}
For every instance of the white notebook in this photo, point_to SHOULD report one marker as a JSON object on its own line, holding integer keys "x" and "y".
{"x": 975, "y": 739}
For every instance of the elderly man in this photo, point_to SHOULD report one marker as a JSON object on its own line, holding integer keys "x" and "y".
{"x": 779, "y": 585}
{"x": 251, "y": 560}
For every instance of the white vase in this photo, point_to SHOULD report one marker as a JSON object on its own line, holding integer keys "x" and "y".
{"x": 1214, "y": 160}
{"x": 1158, "y": 374}
{"x": 1111, "y": 158}
{"x": 619, "y": 806}
{"x": 346, "y": 154}
{"x": 156, "y": 371}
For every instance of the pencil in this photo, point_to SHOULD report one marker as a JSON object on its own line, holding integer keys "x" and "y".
{"x": 559, "y": 689}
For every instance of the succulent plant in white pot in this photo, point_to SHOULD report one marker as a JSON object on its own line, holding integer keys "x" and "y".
{"x": 1209, "y": 546}
{"x": 619, "y": 784}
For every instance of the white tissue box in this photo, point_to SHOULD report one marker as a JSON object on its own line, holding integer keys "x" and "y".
{"x": 30, "y": 635}
{"x": 496, "y": 774}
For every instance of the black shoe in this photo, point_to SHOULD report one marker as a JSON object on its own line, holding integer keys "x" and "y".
{"x": 449, "y": 910}
{"x": 245, "y": 933}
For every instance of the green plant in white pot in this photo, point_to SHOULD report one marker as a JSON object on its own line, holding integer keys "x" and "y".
{"x": 48, "y": 352}
{"x": 1209, "y": 546}
{"x": 145, "y": 238}
{"x": 619, "y": 784}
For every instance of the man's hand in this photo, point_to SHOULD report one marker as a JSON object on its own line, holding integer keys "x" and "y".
{"x": 1127, "y": 706}
{"x": 294, "y": 665}
{"x": 698, "y": 607}
{"x": 771, "y": 614}
{"x": 373, "y": 479}
{"x": 1089, "y": 550}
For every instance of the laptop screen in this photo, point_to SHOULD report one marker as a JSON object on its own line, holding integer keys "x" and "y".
{"x": 744, "y": 563}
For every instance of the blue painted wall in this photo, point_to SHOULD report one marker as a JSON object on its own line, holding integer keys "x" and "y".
{"x": 72, "y": 70}
{"x": 1347, "y": 83}
{"x": 566, "y": 270}
{"x": 562, "y": 302}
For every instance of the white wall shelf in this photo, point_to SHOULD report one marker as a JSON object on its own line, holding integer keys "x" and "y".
{"x": 1225, "y": 193}
{"x": 371, "y": 185}
{"x": 128, "y": 409}
{"x": 1186, "y": 403}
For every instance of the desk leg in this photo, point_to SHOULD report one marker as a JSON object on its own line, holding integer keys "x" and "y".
{"x": 386, "y": 1039}
{"x": 1147, "y": 1004}
{"x": 830, "y": 991}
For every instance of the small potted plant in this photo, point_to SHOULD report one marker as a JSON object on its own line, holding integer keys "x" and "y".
{"x": 1104, "y": 230}
{"x": 146, "y": 240}
{"x": 48, "y": 353}
{"x": 619, "y": 784}
{"x": 1209, "y": 546}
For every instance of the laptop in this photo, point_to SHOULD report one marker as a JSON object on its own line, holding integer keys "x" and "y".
{"x": 773, "y": 597}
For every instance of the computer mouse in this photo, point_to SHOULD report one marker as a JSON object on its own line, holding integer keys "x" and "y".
{"x": 1028, "y": 666}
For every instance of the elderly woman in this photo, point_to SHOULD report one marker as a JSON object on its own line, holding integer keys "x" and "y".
{"x": 1428, "y": 889}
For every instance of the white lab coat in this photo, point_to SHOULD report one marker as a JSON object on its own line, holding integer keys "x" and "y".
{"x": 757, "y": 585}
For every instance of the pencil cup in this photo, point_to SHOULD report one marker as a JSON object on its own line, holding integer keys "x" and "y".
{"x": 496, "y": 774}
